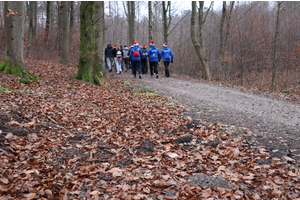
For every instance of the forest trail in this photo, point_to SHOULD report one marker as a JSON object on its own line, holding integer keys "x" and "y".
{"x": 274, "y": 123}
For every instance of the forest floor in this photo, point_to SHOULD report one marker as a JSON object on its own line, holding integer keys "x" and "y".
{"x": 145, "y": 138}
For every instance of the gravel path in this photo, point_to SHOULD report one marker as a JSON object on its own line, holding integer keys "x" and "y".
{"x": 275, "y": 123}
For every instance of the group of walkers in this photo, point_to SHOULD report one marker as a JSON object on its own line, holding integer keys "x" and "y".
{"x": 136, "y": 58}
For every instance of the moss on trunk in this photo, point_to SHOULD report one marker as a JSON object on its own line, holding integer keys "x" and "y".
{"x": 18, "y": 70}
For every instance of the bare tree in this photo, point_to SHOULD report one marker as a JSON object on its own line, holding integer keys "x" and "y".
{"x": 150, "y": 21}
{"x": 131, "y": 20}
{"x": 275, "y": 47}
{"x": 99, "y": 41}
{"x": 167, "y": 18}
{"x": 30, "y": 30}
{"x": 65, "y": 45}
{"x": 199, "y": 45}
{"x": 48, "y": 13}
{"x": 71, "y": 22}
{"x": 223, "y": 44}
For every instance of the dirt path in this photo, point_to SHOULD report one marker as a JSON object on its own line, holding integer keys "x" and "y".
{"x": 275, "y": 124}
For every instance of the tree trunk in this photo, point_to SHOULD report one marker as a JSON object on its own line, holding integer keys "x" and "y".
{"x": 71, "y": 23}
{"x": 4, "y": 32}
{"x": 87, "y": 41}
{"x": 131, "y": 18}
{"x": 48, "y": 13}
{"x": 221, "y": 45}
{"x": 99, "y": 70}
{"x": 65, "y": 45}
{"x": 35, "y": 20}
{"x": 275, "y": 48}
{"x": 150, "y": 14}
{"x": 59, "y": 27}
{"x": 166, "y": 20}
{"x": 14, "y": 62}
{"x": 199, "y": 46}
{"x": 30, "y": 29}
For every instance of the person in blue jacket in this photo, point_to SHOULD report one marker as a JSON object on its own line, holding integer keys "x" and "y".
{"x": 167, "y": 56}
{"x": 135, "y": 57}
{"x": 154, "y": 56}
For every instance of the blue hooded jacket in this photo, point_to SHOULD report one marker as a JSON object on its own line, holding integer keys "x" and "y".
{"x": 153, "y": 54}
{"x": 166, "y": 51}
{"x": 132, "y": 58}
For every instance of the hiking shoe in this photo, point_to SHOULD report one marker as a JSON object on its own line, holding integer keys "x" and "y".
{"x": 156, "y": 75}
{"x": 151, "y": 76}
{"x": 134, "y": 77}
{"x": 140, "y": 76}
{"x": 110, "y": 70}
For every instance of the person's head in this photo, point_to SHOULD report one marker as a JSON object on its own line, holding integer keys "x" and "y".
{"x": 117, "y": 46}
{"x": 152, "y": 43}
{"x": 114, "y": 46}
{"x": 144, "y": 46}
{"x": 136, "y": 44}
{"x": 165, "y": 45}
{"x": 109, "y": 46}
{"x": 131, "y": 46}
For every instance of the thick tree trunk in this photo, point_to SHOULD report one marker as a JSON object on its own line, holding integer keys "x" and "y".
{"x": 273, "y": 84}
{"x": 65, "y": 46}
{"x": 199, "y": 46}
{"x": 14, "y": 62}
{"x": 87, "y": 41}
{"x": 48, "y": 13}
{"x": 150, "y": 14}
{"x": 99, "y": 70}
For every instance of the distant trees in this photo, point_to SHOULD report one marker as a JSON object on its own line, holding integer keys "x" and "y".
{"x": 238, "y": 39}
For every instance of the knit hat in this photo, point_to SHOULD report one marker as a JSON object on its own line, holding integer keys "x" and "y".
{"x": 136, "y": 44}
{"x": 165, "y": 45}
{"x": 152, "y": 43}
{"x": 144, "y": 45}
{"x": 131, "y": 45}
{"x": 115, "y": 46}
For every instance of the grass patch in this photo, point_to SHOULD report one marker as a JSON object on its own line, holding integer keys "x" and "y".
{"x": 126, "y": 83}
{"x": 24, "y": 81}
{"x": 144, "y": 90}
{"x": 3, "y": 89}
{"x": 285, "y": 90}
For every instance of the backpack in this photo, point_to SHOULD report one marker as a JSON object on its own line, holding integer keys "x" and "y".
{"x": 167, "y": 55}
{"x": 119, "y": 54}
{"x": 136, "y": 53}
{"x": 144, "y": 56}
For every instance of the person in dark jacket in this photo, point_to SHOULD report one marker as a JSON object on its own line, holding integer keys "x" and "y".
{"x": 135, "y": 58}
{"x": 154, "y": 56}
{"x": 144, "y": 60}
{"x": 168, "y": 57}
{"x": 109, "y": 56}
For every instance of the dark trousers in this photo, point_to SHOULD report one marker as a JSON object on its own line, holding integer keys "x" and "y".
{"x": 126, "y": 63}
{"x": 167, "y": 73}
{"x": 136, "y": 67}
{"x": 153, "y": 66}
{"x": 144, "y": 66}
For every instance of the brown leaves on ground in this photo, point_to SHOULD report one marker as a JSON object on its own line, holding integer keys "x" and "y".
{"x": 62, "y": 138}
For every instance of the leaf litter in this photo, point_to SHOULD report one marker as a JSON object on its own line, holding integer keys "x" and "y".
{"x": 62, "y": 138}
